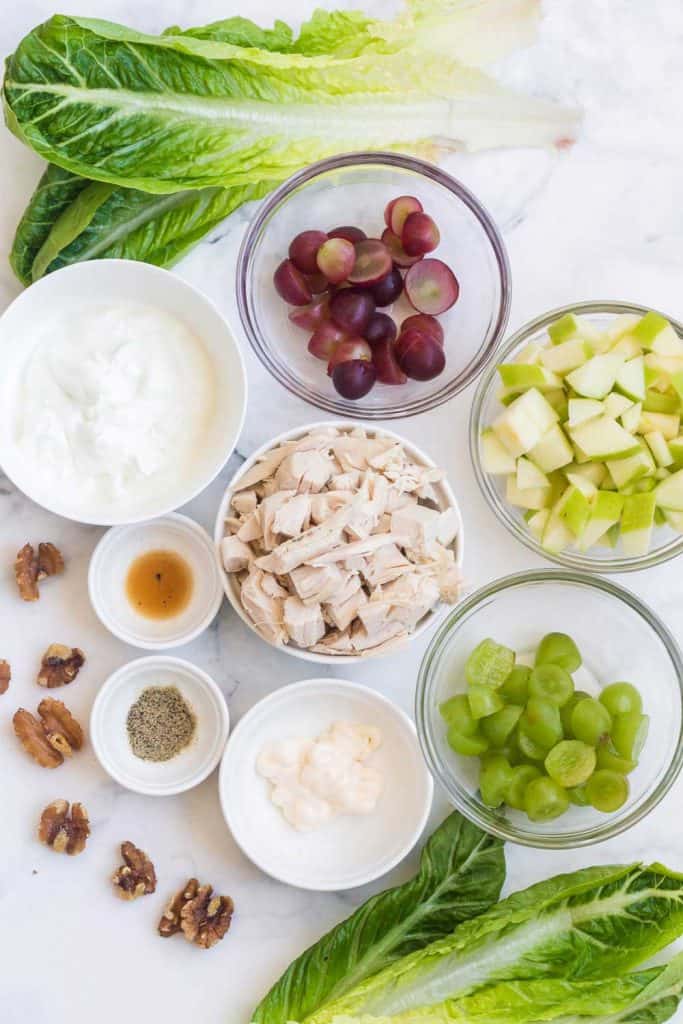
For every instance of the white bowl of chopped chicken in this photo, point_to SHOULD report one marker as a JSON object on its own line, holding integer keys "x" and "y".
{"x": 339, "y": 541}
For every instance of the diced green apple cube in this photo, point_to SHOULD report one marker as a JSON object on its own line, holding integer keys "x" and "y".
{"x": 529, "y": 475}
{"x": 565, "y": 328}
{"x": 522, "y": 376}
{"x": 558, "y": 399}
{"x": 669, "y": 493}
{"x": 667, "y": 423}
{"x": 615, "y": 405}
{"x": 537, "y": 523}
{"x": 627, "y": 347}
{"x": 596, "y": 378}
{"x": 621, "y": 325}
{"x": 587, "y": 487}
{"x": 566, "y": 356}
{"x": 626, "y": 471}
{"x": 602, "y": 438}
{"x": 593, "y": 472}
{"x": 552, "y": 451}
{"x": 654, "y": 329}
{"x": 630, "y": 379}
{"x": 524, "y": 422}
{"x": 657, "y": 444}
{"x": 637, "y": 520}
{"x": 661, "y": 401}
{"x": 531, "y": 497}
{"x": 630, "y": 420}
{"x": 557, "y": 536}
{"x": 606, "y": 511}
{"x": 531, "y": 353}
{"x": 575, "y": 511}
{"x": 495, "y": 457}
{"x": 581, "y": 409}
{"x": 676, "y": 449}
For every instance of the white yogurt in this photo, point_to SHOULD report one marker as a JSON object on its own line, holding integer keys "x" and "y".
{"x": 112, "y": 401}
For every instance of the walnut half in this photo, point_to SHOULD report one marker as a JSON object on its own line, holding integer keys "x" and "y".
{"x": 202, "y": 917}
{"x": 60, "y": 665}
{"x": 65, "y": 832}
{"x": 5, "y": 675}
{"x": 136, "y": 876}
{"x": 51, "y": 737}
{"x": 29, "y": 569}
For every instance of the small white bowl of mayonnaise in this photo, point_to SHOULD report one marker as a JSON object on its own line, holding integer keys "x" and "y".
{"x": 122, "y": 392}
{"x": 323, "y": 785}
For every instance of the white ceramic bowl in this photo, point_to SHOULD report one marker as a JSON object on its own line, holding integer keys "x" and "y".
{"x": 110, "y": 739}
{"x": 109, "y": 567}
{"x": 112, "y": 281}
{"x": 351, "y": 850}
{"x": 232, "y": 589}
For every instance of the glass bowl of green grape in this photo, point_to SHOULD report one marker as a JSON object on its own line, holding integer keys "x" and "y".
{"x": 549, "y": 706}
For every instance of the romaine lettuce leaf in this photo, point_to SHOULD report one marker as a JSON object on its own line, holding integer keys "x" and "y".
{"x": 462, "y": 870}
{"x": 589, "y": 924}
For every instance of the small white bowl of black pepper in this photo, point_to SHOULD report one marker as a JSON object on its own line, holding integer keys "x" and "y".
{"x": 159, "y": 725}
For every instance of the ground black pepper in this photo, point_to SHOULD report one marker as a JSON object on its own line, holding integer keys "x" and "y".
{"x": 160, "y": 723}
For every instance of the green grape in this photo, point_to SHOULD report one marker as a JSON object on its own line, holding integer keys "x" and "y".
{"x": 550, "y": 682}
{"x": 620, "y": 698}
{"x": 566, "y": 711}
{"x": 470, "y": 746}
{"x": 489, "y": 664}
{"x": 541, "y": 722}
{"x": 498, "y": 726}
{"x": 483, "y": 701}
{"x": 570, "y": 763}
{"x": 607, "y": 791}
{"x": 528, "y": 747}
{"x": 520, "y": 777}
{"x": 544, "y": 799}
{"x": 494, "y": 779}
{"x": 578, "y": 795}
{"x": 607, "y": 757}
{"x": 456, "y": 712}
{"x": 558, "y": 649}
{"x": 590, "y": 720}
{"x": 516, "y": 686}
{"x": 628, "y": 733}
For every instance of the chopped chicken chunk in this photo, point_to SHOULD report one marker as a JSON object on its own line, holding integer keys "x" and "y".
{"x": 303, "y": 622}
{"x": 235, "y": 554}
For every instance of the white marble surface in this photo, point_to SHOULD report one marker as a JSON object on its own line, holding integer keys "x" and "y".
{"x": 604, "y": 220}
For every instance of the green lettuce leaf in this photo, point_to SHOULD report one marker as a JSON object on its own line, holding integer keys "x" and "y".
{"x": 462, "y": 870}
{"x": 589, "y": 924}
{"x": 165, "y": 113}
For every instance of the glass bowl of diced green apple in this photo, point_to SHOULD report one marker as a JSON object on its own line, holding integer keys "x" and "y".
{"x": 549, "y": 707}
{"x": 576, "y": 436}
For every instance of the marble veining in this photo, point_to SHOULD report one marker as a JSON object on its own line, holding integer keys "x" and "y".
{"x": 604, "y": 220}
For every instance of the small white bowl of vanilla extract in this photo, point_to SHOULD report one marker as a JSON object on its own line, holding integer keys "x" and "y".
{"x": 156, "y": 584}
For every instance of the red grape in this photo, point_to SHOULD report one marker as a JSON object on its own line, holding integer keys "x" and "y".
{"x": 398, "y": 253}
{"x": 303, "y": 249}
{"x": 431, "y": 286}
{"x": 351, "y": 309}
{"x": 384, "y": 359}
{"x": 325, "y": 339}
{"x": 310, "y": 317}
{"x": 398, "y": 209}
{"x": 424, "y": 323}
{"x": 350, "y": 348}
{"x": 379, "y": 328}
{"x": 336, "y": 258}
{"x": 420, "y": 234}
{"x": 348, "y": 232}
{"x": 354, "y": 379}
{"x": 291, "y": 285}
{"x": 373, "y": 262}
{"x": 318, "y": 283}
{"x": 388, "y": 289}
{"x": 418, "y": 355}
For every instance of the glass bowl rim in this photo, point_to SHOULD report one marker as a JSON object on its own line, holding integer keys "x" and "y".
{"x": 501, "y": 509}
{"x": 471, "y": 807}
{"x": 417, "y": 166}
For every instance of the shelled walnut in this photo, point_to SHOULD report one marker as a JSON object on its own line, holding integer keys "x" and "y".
{"x": 136, "y": 876}
{"x": 51, "y": 737}
{"x": 202, "y": 917}
{"x": 60, "y": 665}
{"x": 30, "y": 569}
{"x": 5, "y": 675}
{"x": 64, "y": 831}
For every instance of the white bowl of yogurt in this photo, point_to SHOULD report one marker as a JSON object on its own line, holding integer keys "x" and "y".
{"x": 122, "y": 392}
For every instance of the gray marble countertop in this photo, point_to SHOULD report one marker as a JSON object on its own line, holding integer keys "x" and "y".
{"x": 603, "y": 220}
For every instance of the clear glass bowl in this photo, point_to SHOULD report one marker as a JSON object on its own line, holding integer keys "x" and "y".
{"x": 619, "y": 637}
{"x": 354, "y": 189}
{"x": 666, "y": 543}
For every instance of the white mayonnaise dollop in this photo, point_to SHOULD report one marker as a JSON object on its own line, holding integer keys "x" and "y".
{"x": 314, "y": 781}
{"x": 113, "y": 400}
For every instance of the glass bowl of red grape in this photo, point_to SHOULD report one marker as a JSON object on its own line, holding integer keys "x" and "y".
{"x": 373, "y": 285}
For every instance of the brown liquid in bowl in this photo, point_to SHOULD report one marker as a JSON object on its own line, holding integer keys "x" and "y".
{"x": 159, "y": 584}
